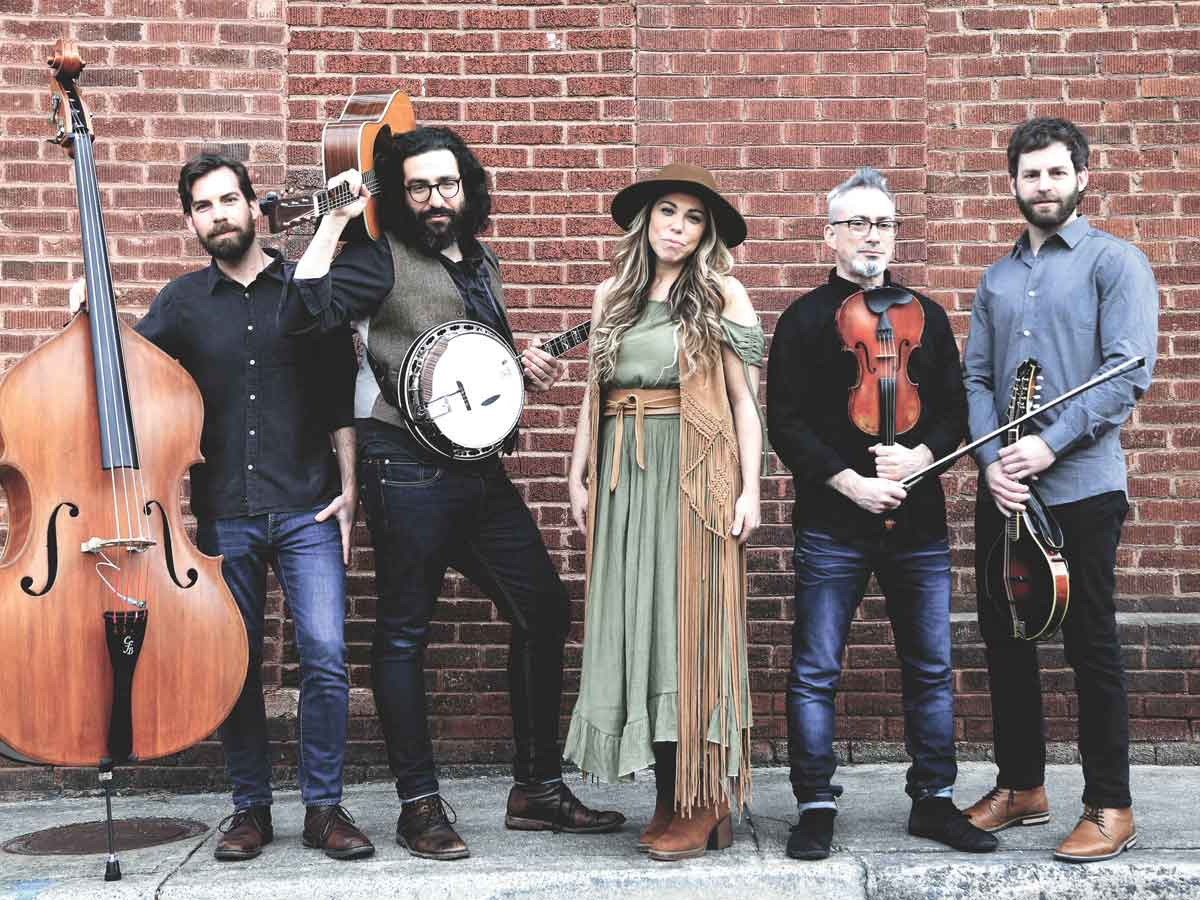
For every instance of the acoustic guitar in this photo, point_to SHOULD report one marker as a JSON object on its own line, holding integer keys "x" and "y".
{"x": 354, "y": 141}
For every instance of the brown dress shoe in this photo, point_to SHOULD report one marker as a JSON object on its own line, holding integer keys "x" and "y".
{"x": 424, "y": 830}
{"x": 707, "y": 828}
{"x": 1099, "y": 834}
{"x": 552, "y": 807}
{"x": 244, "y": 834}
{"x": 332, "y": 829}
{"x": 1002, "y": 808}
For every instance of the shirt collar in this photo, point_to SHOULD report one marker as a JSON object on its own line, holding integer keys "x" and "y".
{"x": 1071, "y": 234}
{"x": 274, "y": 270}
{"x": 853, "y": 286}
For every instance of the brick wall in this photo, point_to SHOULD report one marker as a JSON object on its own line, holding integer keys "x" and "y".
{"x": 565, "y": 102}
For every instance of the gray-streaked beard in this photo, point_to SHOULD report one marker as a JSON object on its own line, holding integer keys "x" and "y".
{"x": 867, "y": 268}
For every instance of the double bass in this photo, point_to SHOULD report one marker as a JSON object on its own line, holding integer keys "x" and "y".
{"x": 121, "y": 640}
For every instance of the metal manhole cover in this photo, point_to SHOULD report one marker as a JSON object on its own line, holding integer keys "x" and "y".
{"x": 92, "y": 837}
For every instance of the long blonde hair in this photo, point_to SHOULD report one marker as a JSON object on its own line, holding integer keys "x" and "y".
{"x": 695, "y": 301}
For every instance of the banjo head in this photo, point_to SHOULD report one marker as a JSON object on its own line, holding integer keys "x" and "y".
{"x": 462, "y": 389}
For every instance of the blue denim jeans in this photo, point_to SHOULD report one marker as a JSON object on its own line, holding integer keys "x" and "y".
{"x": 307, "y": 558}
{"x": 831, "y": 577}
{"x": 424, "y": 517}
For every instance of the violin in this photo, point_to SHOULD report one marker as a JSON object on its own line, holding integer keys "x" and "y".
{"x": 1024, "y": 573}
{"x": 882, "y": 327}
{"x": 121, "y": 640}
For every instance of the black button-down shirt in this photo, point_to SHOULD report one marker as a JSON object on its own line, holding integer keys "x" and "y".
{"x": 808, "y": 378}
{"x": 270, "y": 401}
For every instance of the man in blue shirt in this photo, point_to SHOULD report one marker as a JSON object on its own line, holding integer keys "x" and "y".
{"x": 1079, "y": 301}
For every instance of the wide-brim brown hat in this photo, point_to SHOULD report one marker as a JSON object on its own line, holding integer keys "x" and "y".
{"x": 689, "y": 180}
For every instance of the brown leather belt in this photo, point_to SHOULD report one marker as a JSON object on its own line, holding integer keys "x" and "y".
{"x": 641, "y": 402}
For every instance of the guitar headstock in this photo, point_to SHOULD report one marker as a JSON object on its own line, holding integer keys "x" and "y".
{"x": 287, "y": 211}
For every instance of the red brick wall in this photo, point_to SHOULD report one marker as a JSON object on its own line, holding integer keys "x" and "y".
{"x": 565, "y": 102}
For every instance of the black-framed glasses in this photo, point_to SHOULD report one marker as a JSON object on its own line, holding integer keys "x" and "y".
{"x": 420, "y": 191}
{"x": 861, "y": 226}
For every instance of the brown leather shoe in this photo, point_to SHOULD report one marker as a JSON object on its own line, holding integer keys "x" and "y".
{"x": 244, "y": 834}
{"x": 332, "y": 829}
{"x": 1099, "y": 834}
{"x": 424, "y": 830}
{"x": 708, "y": 827}
{"x": 1002, "y": 808}
{"x": 552, "y": 807}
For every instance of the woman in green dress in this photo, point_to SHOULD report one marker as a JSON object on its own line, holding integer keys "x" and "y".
{"x": 664, "y": 481}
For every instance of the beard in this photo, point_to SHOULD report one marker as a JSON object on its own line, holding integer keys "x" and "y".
{"x": 866, "y": 268}
{"x": 230, "y": 244}
{"x": 431, "y": 233}
{"x": 1062, "y": 211}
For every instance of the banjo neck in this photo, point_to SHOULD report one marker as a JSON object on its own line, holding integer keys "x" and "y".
{"x": 568, "y": 340}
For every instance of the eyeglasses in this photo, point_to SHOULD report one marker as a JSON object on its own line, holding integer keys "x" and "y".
{"x": 861, "y": 227}
{"x": 420, "y": 191}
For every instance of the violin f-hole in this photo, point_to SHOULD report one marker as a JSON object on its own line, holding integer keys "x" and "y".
{"x": 51, "y": 551}
{"x": 168, "y": 552}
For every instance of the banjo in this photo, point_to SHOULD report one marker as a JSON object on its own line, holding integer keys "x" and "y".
{"x": 462, "y": 390}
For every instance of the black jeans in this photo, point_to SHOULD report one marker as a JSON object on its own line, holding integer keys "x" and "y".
{"x": 424, "y": 517}
{"x": 1091, "y": 531}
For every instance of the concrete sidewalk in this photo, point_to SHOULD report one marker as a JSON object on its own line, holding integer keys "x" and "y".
{"x": 874, "y": 857}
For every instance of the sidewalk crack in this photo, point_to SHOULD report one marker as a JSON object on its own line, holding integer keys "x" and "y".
{"x": 183, "y": 862}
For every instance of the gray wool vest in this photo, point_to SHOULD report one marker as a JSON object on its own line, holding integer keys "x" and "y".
{"x": 423, "y": 295}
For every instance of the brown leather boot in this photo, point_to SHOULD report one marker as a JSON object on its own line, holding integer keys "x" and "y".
{"x": 425, "y": 830}
{"x": 1099, "y": 834}
{"x": 664, "y": 796}
{"x": 244, "y": 834}
{"x": 708, "y": 827}
{"x": 332, "y": 829}
{"x": 552, "y": 807}
{"x": 1002, "y": 808}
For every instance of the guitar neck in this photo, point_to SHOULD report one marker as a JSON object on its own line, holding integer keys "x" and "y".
{"x": 339, "y": 196}
{"x": 568, "y": 340}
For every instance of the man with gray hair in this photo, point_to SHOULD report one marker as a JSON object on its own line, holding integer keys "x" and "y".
{"x": 852, "y": 517}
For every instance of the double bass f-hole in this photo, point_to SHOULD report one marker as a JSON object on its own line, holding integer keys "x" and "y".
{"x": 882, "y": 327}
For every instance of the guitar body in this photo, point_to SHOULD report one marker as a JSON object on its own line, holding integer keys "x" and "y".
{"x": 1030, "y": 579}
{"x": 352, "y": 142}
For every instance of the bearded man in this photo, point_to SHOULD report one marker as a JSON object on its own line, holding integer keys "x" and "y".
{"x": 270, "y": 492}
{"x": 426, "y": 513}
{"x": 1079, "y": 301}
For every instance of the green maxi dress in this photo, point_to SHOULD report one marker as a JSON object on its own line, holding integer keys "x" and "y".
{"x": 628, "y": 687}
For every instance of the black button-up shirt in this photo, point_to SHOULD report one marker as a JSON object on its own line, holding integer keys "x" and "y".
{"x": 270, "y": 401}
{"x": 808, "y": 379}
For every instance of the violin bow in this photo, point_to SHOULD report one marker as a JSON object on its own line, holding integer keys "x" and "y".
{"x": 940, "y": 465}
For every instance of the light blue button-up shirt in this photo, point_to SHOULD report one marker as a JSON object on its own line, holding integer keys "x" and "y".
{"x": 1086, "y": 302}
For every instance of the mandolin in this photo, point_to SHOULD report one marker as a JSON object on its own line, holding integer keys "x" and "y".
{"x": 1025, "y": 573}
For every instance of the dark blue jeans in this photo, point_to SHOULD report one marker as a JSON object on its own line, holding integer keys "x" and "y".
{"x": 307, "y": 559}
{"x": 425, "y": 517}
{"x": 831, "y": 577}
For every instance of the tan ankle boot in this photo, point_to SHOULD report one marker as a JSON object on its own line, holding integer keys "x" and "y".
{"x": 708, "y": 827}
{"x": 1002, "y": 808}
{"x": 664, "y": 795}
{"x": 664, "y": 812}
{"x": 1099, "y": 834}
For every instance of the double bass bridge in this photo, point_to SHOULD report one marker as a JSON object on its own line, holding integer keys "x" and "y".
{"x": 98, "y": 546}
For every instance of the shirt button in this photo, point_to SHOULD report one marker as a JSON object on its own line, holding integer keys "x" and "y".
{"x": 250, "y": 467}
{"x": 252, "y": 432}
{"x": 249, "y": 327}
{"x": 251, "y": 362}
{"x": 251, "y": 396}
{"x": 1025, "y": 332}
{"x": 1033, "y": 293}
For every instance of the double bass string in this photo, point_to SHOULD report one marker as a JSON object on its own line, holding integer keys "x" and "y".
{"x": 112, "y": 394}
